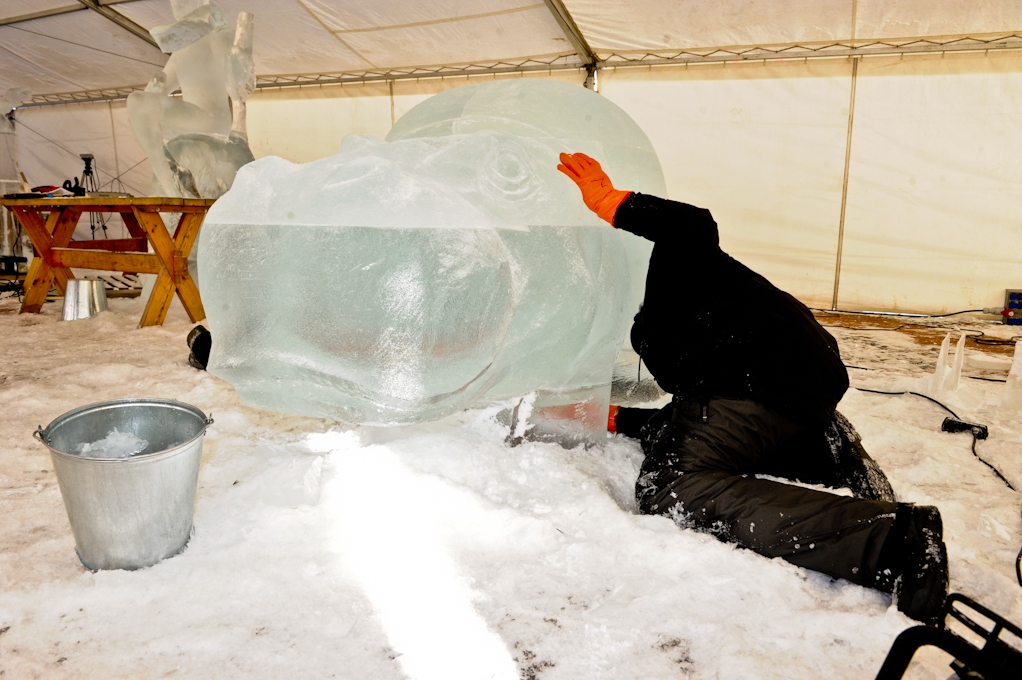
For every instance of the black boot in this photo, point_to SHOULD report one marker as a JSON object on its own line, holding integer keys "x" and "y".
{"x": 200, "y": 342}
{"x": 913, "y": 563}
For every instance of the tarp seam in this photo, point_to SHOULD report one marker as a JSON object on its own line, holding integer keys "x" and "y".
{"x": 335, "y": 36}
{"x": 465, "y": 17}
{"x": 88, "y": 47}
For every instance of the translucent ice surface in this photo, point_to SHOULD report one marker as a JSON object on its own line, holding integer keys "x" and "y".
{"x": 115, "y": 445}
{"x": 446, "y": 267}
{"x": 197, "y": 142}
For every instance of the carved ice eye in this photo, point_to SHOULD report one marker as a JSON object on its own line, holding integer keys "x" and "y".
{"x": 508, "y": 174}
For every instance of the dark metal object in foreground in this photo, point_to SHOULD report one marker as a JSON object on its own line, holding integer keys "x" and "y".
{"x": 996, "y": 660}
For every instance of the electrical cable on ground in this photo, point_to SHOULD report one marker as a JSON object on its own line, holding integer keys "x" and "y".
{"x": 864, "y": 389}
{"x": 979, "y": 338}
{"x": 995, "y": 470}
{"x": 1018, "y": 560}
{"x": 924, "y": 316}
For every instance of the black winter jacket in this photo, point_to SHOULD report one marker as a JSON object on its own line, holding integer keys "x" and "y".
{"x": 711, "y": 327}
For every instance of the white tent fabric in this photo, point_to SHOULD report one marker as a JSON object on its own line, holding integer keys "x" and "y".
{"x": 932, "y": 207}
{"x": 613, "y": 27}
{"x": 82, "y": 50}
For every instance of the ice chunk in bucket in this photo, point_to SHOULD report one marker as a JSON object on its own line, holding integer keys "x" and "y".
{"x": 446, "y": 267}
{"x": 115, "y": 445}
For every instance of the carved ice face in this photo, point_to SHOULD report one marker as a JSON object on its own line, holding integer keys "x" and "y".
{"x": 449, "y": 265}
{"x": 183, "y": 8}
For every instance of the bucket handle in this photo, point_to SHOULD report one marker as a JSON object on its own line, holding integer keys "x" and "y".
{"x": 40, "y": 434}
{"x": 209, "y": 420}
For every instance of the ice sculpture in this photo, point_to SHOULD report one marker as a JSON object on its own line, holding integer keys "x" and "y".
{"x": 197, "y": 142}
{"x": 448, "y": 266}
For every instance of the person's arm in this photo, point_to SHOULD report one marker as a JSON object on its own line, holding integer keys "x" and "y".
{"x": 650, "y": 217}
{"x": 629, "y": 421}
{"x": 657, "y": 219}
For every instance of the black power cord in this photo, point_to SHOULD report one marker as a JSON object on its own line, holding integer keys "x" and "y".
{"x": 978, "y": 336}
{"x": 918, "y": 316}
{"x": 973, "y": 431}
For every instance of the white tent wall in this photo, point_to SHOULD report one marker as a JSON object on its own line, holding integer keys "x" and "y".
{"x": 933, "y": 222}
{"x": 51, "y": 138}
{"x": 933, "y": 187}
{"x": 303, "y": 124}
{"x": 762, "y": 147}
{"x": 934, "y": 219}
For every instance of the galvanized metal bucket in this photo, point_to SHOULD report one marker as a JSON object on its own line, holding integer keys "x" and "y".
{"x": 83, "y": 298}
{"x": 128, "y": 513}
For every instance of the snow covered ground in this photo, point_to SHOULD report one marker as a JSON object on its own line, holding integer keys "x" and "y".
{"x": 436, "y": 551}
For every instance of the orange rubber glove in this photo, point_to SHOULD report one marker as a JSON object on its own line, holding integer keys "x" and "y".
{"x": 612, "y": 418}
{"x": 599, "y": 194}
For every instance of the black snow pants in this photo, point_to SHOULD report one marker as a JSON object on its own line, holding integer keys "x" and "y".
{"x": 703, "y": 465}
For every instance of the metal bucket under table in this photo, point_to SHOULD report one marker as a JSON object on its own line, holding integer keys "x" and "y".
{"x": 132, "y": 512}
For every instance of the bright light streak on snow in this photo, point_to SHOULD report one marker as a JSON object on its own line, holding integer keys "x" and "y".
{"x": 325, "y": 442}
{"x": 387, "y": 530}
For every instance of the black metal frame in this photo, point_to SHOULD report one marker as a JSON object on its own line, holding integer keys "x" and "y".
{"x": 9, "y": 267}
{"x": 996, "y": 660}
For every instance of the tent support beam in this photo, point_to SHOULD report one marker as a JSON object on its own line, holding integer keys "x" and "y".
{"x": 54, "y": 11}
{"x": 577, "y": 40}
{"x": 844, "y": 183}
{"x": 40, "y": 15}
{"x": 119, "y": 19}
{"x": 1001, "y": 43}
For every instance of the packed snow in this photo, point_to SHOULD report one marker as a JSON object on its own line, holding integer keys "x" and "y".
{"x": 114, "y": 445}
{"x": 438, "y": 551}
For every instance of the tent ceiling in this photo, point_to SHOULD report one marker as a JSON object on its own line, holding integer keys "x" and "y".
{"x": 64, "y": 50}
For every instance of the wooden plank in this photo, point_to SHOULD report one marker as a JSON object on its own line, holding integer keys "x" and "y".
{"x": 159, "y": 301}
{"x": 37, "y": 284}
{"x": 40, "y": 275}
{"x": 188, "y": 293}
{"x": 59, "y": 226}
{"x": 158, "y": 236}
{"x": 187, "y": 232}
{"x": 174, "y": 208}
{"x": 142, "y": 201}
{"x": 62, "y": 233}
{"x": 131, "y": 223}
{"x": 146, "y": 263}
{"x": 34, "y": 225}
{"x": 124, "y": 293}
{"x": 116, "y": 245}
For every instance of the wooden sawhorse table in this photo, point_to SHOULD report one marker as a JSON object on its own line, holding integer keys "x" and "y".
{"x": 50, "y": 223}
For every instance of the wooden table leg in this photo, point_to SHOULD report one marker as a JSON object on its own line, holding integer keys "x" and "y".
{"x": 55, "y": 232}
{"x": 187, "y": 291}
{"x": 163, "y": 290}
{"x": 63, "y": 231}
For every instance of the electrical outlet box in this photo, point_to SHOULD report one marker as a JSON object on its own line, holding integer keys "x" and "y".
{"x": 1013, "y": 306}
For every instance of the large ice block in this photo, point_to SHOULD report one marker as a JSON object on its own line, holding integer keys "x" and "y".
{"x": 449, "y": 266}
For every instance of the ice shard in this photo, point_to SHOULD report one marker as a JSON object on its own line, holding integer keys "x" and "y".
{"x": 197, "y": 142}
{"x": 448, "y": 266}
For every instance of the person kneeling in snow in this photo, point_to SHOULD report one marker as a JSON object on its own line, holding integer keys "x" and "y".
{"x": 755, "y": 398}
